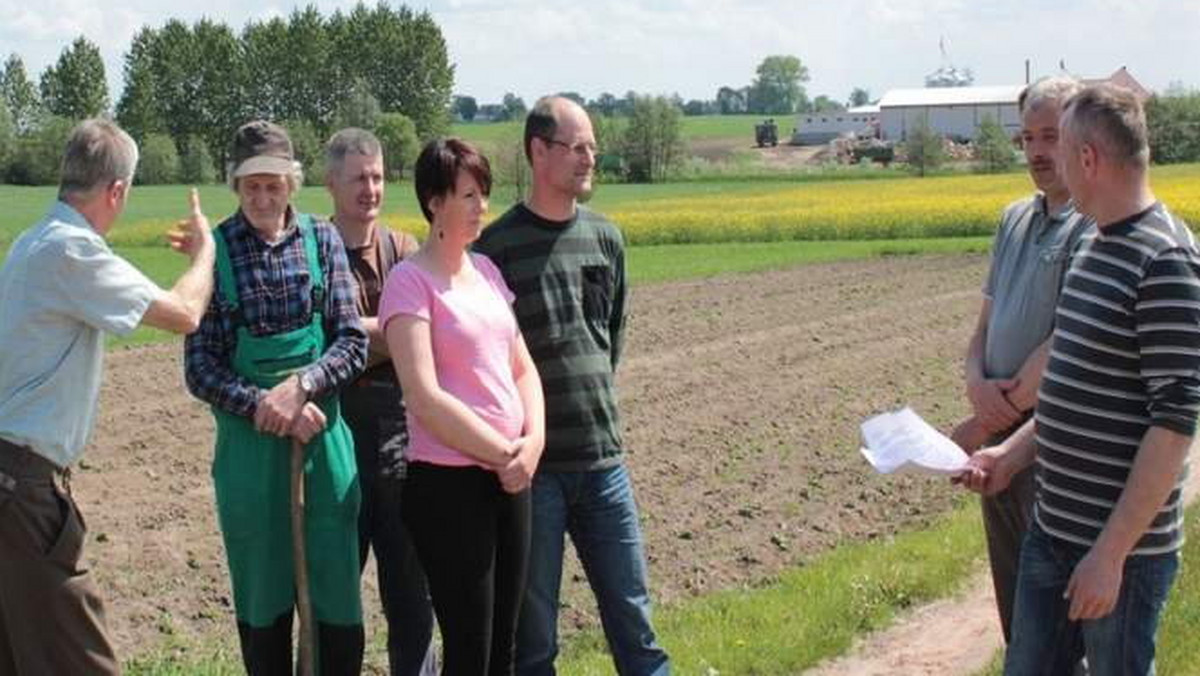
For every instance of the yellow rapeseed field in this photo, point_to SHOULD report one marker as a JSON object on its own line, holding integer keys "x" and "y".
{"x": 951, "y": 206}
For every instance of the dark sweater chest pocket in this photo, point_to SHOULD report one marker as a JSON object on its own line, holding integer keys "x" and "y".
{"x": 597, "y": 290}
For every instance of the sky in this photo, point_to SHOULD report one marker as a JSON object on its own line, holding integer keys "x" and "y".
{"x": 693, "y": 47}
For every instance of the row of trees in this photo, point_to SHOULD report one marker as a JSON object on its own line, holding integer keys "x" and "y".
{"x": 777, "y": 89}
{"x": 649, "y": 141}
{"x": 644, "y": 146}
{"x": 511, "y": 107}
{"x": 1173, "y": 119}
{"x": 993, "y": 149}
{"x": 188, "y": 87}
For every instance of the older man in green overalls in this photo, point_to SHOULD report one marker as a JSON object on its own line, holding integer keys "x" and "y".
{"x": 281, "y": 335}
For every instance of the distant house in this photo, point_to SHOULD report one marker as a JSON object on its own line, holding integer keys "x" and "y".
{"x": 490, "y": 112}
{"x": 955, "y": 112}
{"x": 818, "y": 128}
{"x": 1122, "y": 78}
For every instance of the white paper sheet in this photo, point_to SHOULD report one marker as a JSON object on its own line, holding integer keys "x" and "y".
{"x": 901, "y": 441}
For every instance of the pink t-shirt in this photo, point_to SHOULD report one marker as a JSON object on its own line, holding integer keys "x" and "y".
{"x": 472, "y": 332}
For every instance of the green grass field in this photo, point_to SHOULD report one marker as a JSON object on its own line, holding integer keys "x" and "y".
{"x": 487, "y": 133}
{"x": 740, "y": 127}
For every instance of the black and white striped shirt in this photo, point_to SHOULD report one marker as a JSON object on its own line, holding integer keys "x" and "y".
{"x": 1125, "y": 357}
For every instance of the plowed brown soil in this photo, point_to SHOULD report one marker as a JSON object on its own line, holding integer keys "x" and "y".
{"x": 741, "y": 398}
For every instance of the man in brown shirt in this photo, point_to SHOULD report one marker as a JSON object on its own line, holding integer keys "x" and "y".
{"x": 372, "y": 405}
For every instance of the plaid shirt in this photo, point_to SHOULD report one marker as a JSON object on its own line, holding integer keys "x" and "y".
{"x": 275, "y": 297}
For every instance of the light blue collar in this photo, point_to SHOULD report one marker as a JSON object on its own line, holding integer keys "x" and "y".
{"x": 65, "y": 213}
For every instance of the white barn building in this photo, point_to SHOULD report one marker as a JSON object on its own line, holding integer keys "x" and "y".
{"x": 950, "y": 111}
{"x": 819, "y": 128}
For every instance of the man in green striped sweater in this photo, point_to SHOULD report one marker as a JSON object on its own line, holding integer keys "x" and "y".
{"x": 566, "y": 265}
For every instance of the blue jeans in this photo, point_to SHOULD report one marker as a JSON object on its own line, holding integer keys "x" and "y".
{"x": 1121, "y": 643}
{"x": 598, "y": 510}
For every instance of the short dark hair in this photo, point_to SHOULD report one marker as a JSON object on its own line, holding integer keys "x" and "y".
{"x": 540, "y": 123}
{"x": 438, "y": 166}
{"x": 1112, "y": 119}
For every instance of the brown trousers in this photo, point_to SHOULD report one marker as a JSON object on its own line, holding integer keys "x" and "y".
{"x": 51, "y": 616}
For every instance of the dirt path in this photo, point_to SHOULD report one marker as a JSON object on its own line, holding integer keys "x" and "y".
{"x": 741, "y": 399}
{"x": 951, "y": 637}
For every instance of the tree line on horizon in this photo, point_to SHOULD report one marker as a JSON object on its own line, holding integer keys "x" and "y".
{"x": 187, "y": 87}
{"x": 777, "y": 89}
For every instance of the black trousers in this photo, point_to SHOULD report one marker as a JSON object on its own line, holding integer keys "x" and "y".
{"x": 473, "y": 541}
{"x": 267, "y": 651}
{"x": 372, "y": 410}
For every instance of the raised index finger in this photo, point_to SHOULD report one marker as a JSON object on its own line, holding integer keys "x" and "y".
{"x": 194, "y": 202}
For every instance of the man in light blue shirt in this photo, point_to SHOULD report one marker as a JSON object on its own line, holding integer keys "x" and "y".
{"x": 61, "y": 289}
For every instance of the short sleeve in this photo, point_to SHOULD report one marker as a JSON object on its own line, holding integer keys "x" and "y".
{"x": 104, "y": 290}
{"x": 494, "y": 277}
{"x": 406, "y": 292}
{"x": 998, "y": 244}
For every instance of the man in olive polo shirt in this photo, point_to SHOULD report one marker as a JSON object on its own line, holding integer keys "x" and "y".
{"x": 1034, "y": 245}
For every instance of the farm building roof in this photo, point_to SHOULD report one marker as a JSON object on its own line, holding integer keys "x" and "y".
{"x": 1122, "y": 78}
{"x": 951, "y": 96}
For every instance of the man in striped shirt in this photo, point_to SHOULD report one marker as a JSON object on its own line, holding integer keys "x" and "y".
{"x": 566, "y": 265}
{"x": 1116, "y": 410}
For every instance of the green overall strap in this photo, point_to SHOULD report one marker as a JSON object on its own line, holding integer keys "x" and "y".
{"x": 308, "y": 231}
{"x": 225, "y": 278}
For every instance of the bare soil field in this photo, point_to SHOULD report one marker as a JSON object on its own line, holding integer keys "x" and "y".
{"x": 741, "y": 398}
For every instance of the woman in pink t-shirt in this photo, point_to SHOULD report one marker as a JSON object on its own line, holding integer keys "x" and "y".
{"x": 475, "y": 416}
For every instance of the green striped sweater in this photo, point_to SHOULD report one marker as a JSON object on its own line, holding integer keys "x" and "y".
{"x": 569, "y": 281}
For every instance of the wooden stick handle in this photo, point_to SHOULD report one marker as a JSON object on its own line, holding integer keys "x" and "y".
{"x": 300, "y": 561}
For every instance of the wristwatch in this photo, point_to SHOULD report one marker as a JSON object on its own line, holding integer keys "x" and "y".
{"x": 307, "y": 386}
